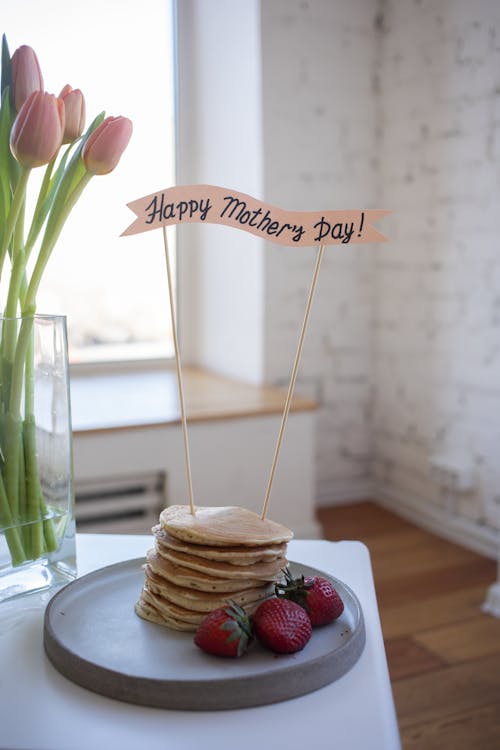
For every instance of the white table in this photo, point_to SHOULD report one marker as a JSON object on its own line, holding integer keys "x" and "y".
{"x": 41, "y": 710}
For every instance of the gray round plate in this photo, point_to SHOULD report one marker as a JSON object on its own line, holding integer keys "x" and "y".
{"x": 93, "y": 637}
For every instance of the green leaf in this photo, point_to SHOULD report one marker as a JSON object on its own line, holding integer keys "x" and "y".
{"x": 3, "y": 212}
{"x": 72, "y": 183}
{"x": 41, "y": 209}
{"x": 5, "y": 152}
{"x": 6, "y": 66}
{"x": 46, "y": 196}
{"x": 73, "y": 174}
{"x": 79, "y": 169}
{"x": 14, "y": 171}
{"x": 5, "y": 160}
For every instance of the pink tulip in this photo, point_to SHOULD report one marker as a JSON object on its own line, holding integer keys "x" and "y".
{"x": 37, "y": 131}
{"x": 74, "y": 111}
{"x": 26, "y": 75}
{"x": 104, "y": 147}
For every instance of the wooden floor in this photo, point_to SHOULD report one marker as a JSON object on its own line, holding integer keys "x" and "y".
{"x": 443, "y": 652}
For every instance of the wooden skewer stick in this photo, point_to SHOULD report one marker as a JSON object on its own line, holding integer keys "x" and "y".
{"x": 179, "y": 374}
{"x": 292, "y": 380}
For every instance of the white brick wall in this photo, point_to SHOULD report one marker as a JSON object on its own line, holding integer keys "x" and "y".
{"x": 359, "y": 104}
{"x": 437, "y": 317}
{"x": 392, "y": 104}
{"x": 319, "y": 152}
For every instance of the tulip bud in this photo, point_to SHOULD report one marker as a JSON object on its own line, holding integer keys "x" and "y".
{"x": 104, "y": 147}
{"x": 26, "y": 75}
{"x": 37, "y": 131}
{"x": 74, "y": 112}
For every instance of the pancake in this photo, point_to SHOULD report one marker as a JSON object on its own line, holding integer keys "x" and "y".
{"x": 202, "y": 601}
{"x": 201, "y": 561}
{"x": 259, "y": 571}
{"x": 148, "y": 612}
{"x": 155, "y": 609}
{"x": 225, "y": 526}
{"x": 168, "y": 609}
{"x": 237, "y": 555}
{"x": 195, "y": 579}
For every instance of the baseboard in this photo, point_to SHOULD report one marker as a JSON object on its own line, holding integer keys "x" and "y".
{"x": 481, "y": 539}
{"x": 340, "y": 491}
{"x": 492, "y": 604}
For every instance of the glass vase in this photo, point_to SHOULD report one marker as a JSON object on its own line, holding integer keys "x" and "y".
{"x": 37, "y": 520}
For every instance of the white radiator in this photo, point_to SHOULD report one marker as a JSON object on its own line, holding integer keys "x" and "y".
{"x": 128, "y": 505}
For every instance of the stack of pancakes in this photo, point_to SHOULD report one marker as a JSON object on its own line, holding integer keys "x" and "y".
{"x": 201, "y": 561}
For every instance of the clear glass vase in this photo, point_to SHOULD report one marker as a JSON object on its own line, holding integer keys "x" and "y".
{"x": 37, "y": 519}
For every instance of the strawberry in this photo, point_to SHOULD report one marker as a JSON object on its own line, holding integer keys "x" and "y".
{"x": 317, "y": 595}
{"x": 282, "y": 626}
{"x": 225, "y": 631}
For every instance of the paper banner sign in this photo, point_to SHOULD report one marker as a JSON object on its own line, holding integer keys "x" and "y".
{"x": 189, "y": 204}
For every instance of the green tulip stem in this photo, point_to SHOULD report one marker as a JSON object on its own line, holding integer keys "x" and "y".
{"x": 42, "y": 533}
{"x": 11, "y": 531}
{"x": 28, "y": 522}
{"x": 54, "y": 227}
{"x": 32, "y": 482}
{"x": 34, "y": 514}
{"x": 9, "y": 332}
{"x": 13, "y": 422}
{"x": 17, "y": 203}
{"x": 12, "y": 445}
{"x": 16, "y": 279}
{"x": 26, "y": 519}
{"x": 40, "y": 212}
{"x": 23, "y": 504}
{"x": 14, "y": 425}
{"x": 17, "y": 275}
{"x": 16, "y": 358}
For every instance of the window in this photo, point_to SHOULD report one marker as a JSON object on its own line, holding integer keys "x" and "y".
{"x": 112, "y": 289}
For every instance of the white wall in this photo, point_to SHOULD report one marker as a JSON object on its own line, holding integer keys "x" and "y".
{"x": 389, "y": 104}
{"x": 300, "y": 88}
{"x": 219, "y": 143}
{"x": 319, "y": 110}
{"x": 437, "y": 319}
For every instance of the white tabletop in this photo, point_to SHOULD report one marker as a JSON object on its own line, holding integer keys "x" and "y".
{"x": 41, "y": 710}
